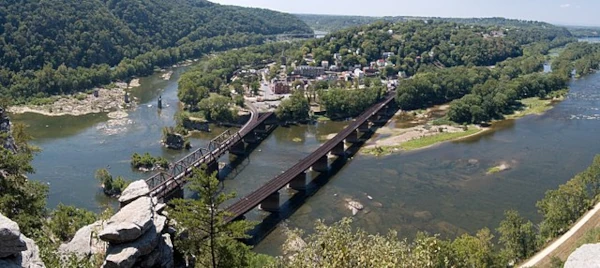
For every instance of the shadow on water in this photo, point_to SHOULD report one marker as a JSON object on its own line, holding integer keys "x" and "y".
{"x": 299, "y": 198}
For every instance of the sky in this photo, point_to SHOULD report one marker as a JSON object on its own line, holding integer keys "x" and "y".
{"x": 564, "y": 12}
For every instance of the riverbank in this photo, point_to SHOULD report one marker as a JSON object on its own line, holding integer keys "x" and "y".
{"x": 422, "y": 129}
{"x": 108, "y": 100}
{"x": 563, "y": 246}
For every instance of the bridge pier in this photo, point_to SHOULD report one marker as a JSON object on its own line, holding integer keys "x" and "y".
{"x": 299, "y": 182}
{"x": 271, "y": 203}
{"x": 322, "y": 165}
{"x": 352, "y": 137}
{"x": 339, "y": 149}
{"x": 175, "y": 194}
{"x": 364, "y": 127}
{"x": 212, "y": 167}
{"x": 251, "y": 137}
{"x": 239, "y": 148}
{"x": 261, "y": 129}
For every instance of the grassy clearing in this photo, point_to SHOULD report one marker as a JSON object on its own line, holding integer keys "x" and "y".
{"x": 321, "y": 118}
{"x": 494, "y": 170}
{"x": 442, "y": 137}
{"x": 535, "y": 105}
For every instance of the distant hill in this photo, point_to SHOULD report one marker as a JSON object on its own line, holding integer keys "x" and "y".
{"x": 69, "y": 34}
{"x": 331, "y": 23}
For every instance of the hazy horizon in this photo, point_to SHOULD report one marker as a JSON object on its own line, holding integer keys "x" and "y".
{"x": 569, "y": 13}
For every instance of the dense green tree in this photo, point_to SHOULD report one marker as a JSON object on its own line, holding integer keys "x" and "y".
{"x": 58, "y": 46}
{"x": 66, "y": 220}
{"x": 295, "y": 108}
{"x": 218, "y": 108}
{"x": 517, "y": 237}
{"x": 475, "y": 251}
{"x": 204, "y": 236}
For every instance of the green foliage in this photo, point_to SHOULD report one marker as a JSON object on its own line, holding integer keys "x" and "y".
{"x": 331, "y": 23}
{"x": 475, "y": 251}
{"x": 582, "y": 57}
{"x": 343, "y": 103}
{"x": 517, "y": 236}
{"x": 21, "y": 200}
{"x": 66, "y": 220}
{"x": 218, "y": 108}
{"x": 204, "y": 236}
{"x": 339, "y": 245}
{"x": 563, "y": 206}
{"x": 295, "y": 108}
{"x": 111, "y": 186}
{"x": 58, "y": 46}
{"x": 148, "y": 161}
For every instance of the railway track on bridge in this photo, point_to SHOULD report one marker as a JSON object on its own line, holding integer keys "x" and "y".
{"x": 253, "y": 199}
{"x": 165, "y": 182}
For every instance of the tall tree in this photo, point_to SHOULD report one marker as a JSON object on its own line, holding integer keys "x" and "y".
{"x": 204, "y": 235}
{"x": 517, "y": 236}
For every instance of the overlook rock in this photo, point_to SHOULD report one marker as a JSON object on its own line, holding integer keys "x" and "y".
{"x": 130, "y": 222}
{"x": 16, "y": 250}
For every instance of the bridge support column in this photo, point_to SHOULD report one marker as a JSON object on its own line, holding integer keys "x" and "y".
{"x": 339, "y": 149}
{"x": 364, "y": 127}
{"x": 239, "y": 148}
{"x": 352, "y": 137}
{"x": 299, "y": 182}
{"x": 212, "y": 167}
{"x": 271, "y": 203}
{"x": 322, "y": 165}
{"x": 177, "y": 193}
{"x": 250, "y": 137}
{"x": 261, "y": 129}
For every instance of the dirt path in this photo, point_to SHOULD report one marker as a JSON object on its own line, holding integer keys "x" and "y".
{"x": 564, "y": 246}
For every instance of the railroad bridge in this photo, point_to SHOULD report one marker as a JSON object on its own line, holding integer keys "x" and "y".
{"x": 267, "y": 196}
{"x": 170, "y": 183}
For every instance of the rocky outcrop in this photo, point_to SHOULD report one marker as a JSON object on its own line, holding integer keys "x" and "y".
{"x": 134, "y": 191}
{"x": 130, "y": 222}
{"x": 138, "y": 236}
{"x": 584, "y": 256}
{"x": 85, "y": 243}
{"x": 16, "y": 250}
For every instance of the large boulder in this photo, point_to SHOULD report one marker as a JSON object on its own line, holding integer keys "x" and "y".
{"x": 31, "y": 257}
{"x": 134, "y": 191}
{"x": 584, "y": 256}
{"x": 160, "y": 222}
{"x": 28, "y": 258}
{"x": 10, "y": 235}
{"x": 166, "y": 252}
{"x": 126, "y": 255}
{"x": 85, "y": 243}
{"x": 130, "y": 222}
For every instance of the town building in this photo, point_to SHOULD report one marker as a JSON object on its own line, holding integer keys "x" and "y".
{"x": 280, "y": 87}
{"x": 309, "y": 71}
{"x": 325, "y": 64}
{"x": 359, "y": 74}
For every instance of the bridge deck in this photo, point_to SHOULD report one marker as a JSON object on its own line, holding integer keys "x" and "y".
{"x": 163, "y": 183}
{"x": 253, "y": 199}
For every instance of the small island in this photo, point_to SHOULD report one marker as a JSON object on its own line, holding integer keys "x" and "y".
{"x": 147, "y": 162}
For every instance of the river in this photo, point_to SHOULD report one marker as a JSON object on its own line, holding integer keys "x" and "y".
{"x": 443, "y": 189}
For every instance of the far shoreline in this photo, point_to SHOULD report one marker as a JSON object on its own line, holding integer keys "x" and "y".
{"x": 421, "y": 141}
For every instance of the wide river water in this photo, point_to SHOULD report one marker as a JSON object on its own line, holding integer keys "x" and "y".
{"x": 443, "y": 189}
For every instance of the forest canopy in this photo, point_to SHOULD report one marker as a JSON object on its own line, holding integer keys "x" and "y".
{"x": 57, "y": 46}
